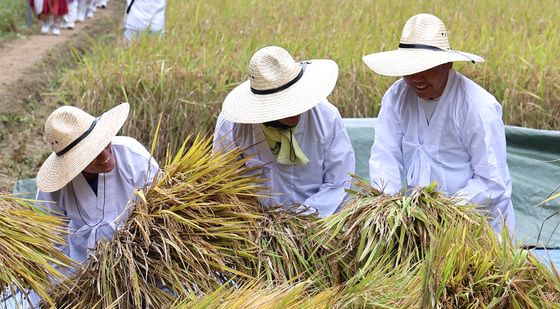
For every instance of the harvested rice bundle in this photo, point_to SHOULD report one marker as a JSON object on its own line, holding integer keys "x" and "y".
{"x": 384, "y": 287}
{"x": 28, "y": 248}
{"x": 373, "y": 225}
{"x": 262, "y": 296}
{"x": 287, "y": 252}
{"x": 186, "y": 235}
{"x": 467, "y": 267}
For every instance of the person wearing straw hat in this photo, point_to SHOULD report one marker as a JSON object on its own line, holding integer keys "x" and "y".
{"x": 282, "y": 120}
{"x": 91, "y": 174}
{"x": 437, "y": 125}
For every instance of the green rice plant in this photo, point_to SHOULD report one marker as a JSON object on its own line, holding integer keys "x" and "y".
{"x": 372, "y": 225}
{"x": 207, "y": 46}
{"x": 187, "y": 234}
{"x": 469, "y": 267}
{"x": 29, "y": 253}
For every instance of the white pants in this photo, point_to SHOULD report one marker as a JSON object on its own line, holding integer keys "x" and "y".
{"x": 130, "y": 34}
{"x": 72, "y": 12}
{"x": 85, "y": 7}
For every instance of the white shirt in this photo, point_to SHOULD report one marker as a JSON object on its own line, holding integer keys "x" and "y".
{"x": 145, "y": 14}
{"x": 319, "y": 184}
{"x": 93, "y": 217}
{"x": 463, "y": 147}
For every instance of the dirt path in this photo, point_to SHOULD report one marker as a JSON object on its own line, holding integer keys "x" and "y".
{"x": 18, "y": 56}
{"x": 30, "y": 69}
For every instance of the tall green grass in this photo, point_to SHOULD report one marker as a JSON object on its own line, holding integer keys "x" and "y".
{"x": 12, "y": 16}
{"x": 208, "y": 44}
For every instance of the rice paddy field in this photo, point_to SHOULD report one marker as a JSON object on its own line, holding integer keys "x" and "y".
{"x": 207, "y": 45}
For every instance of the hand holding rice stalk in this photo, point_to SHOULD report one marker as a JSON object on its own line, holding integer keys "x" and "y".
{"x": 185, "y": 236}
{"x": 29, "y": 257}
{"x": 373, "y": 225}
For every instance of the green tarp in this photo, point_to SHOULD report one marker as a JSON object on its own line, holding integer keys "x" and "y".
{"x": 535, "y": 172}
{"x": 534, "y": 164}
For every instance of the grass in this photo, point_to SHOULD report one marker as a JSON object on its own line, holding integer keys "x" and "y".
{"x": 12, "y": 18}
{"x": 208, "y": 44}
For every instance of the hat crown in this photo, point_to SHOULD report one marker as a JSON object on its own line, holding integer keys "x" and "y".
{"x": 65, "y": 125}
{"x": 425, "y": 29}
{"x": 272, "y": 67}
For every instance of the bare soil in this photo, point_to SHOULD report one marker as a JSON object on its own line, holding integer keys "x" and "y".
{"x": 30, "y": 74}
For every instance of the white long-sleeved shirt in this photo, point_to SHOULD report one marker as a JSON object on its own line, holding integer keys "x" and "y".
{"x": 93, "y": 217}
{"x": 463, "y": 147}
{"x": 322, "y": 182}
{"x": 145, "y": 15}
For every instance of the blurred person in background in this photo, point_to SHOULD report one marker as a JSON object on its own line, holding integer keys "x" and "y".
{"x": 101, "y": 4}
{"x": 281, "y": 119}
{"x": 72, "y": 16}
{"x": 51, "y": 13}
{"x": 437, "y": 125}
{"x": 144, "y": 16}
{"x": 86, "y": 8}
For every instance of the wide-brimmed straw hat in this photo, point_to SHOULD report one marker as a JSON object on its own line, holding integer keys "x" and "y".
{"x": 279, "y": 87}
{"x": 423, "y": 45}
{"x": 76, "y": 138}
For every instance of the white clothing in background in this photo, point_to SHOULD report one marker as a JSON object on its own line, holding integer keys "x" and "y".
{"x": 463, "y": 147}
{"x": 93, "y": 217}
{"x": 72, "y": 15}
{"x": 144, "y": 15}
{"x": 321, "y": 136}
{"x": 100, "y": 3}
{"x": 85, "y": 8}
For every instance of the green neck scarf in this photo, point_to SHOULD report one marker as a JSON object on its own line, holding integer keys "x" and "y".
{"x": 284, "y": 146}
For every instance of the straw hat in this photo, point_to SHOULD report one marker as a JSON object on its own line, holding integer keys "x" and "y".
{"x": 76, "y": 138}
{"x": 278, "y": 87}
{"x": 423, "y": 45}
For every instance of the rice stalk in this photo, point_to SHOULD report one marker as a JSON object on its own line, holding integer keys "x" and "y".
{"x": 186, "y": 235}
{"x": 288, "y": 252}
{"x": 469, "y": 267}
{"x": 259, "y": 295}
{"x": 30, "y": 258}
{"x": 372, "y": 225}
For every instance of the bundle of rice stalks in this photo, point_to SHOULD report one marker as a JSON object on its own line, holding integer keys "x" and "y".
{"x": 288, "y": 252}
{"x": 384, "y": 287}
{"x": 468, "y": 267}
{"x": 373, "y": 225}
{"x": 29, "y": 256}
{"x": 258, "y": 295}
{"x": 186, "y": 235}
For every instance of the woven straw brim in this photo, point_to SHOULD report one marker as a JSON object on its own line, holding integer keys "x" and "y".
{"x": 402, "y": 62}
{"x": 243, "y": 106}
{"x": 56, "y": 172}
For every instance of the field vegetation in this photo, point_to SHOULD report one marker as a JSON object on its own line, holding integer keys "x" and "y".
{"x": 208, "y": 44}
{"x": 12, "y": 18}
